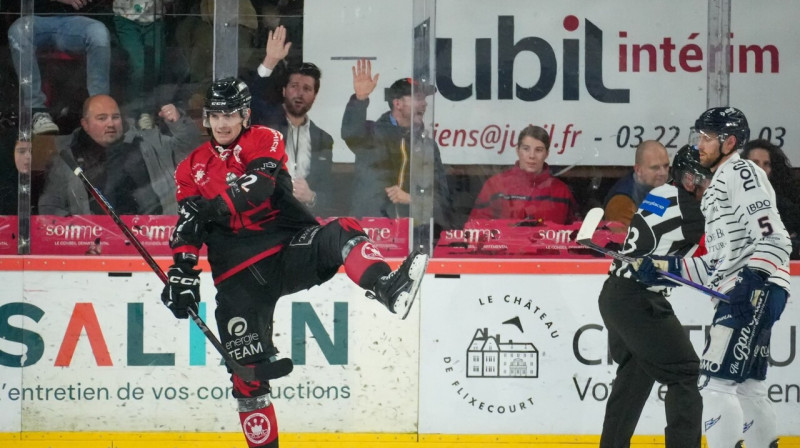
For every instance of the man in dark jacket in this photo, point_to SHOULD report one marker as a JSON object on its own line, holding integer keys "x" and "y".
{"x": 133, "y": 168}
{"x": 309, "y": 148}
{"x": 382, "y": 148}
{"x": 650, "y": 170}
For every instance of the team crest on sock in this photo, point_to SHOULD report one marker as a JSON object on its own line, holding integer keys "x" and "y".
{"x": 256, "y": 428}
{"x": 370, "y": 252}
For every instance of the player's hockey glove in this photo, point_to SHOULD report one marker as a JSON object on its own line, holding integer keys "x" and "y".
{"x": 196, "y": 211}
{"x": 646, "y": 269}
{"x": 182, "y": 290}
{"x": 750, "y": 284}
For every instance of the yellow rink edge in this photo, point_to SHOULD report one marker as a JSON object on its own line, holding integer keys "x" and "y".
{"x": 323, "y": 440}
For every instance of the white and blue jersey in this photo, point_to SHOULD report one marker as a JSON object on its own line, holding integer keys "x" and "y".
{"x": 742, "y": 228}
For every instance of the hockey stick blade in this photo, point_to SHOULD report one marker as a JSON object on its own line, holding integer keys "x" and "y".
{"x": 590, "y": 223}
{"x": 270, "y": 371}
{"x": 274, "y": 369}
{"x": 584, "y": 238}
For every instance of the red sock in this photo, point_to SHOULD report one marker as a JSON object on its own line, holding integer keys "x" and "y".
{"x": 364, "y": 264}
{"x": 260, "y": 427}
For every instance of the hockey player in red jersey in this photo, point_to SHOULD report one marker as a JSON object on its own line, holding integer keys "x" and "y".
{"x": 235, "y": 197}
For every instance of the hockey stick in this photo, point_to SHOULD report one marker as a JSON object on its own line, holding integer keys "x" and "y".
{"x": 584, "y": 238}
{"x": 263, "y": 371}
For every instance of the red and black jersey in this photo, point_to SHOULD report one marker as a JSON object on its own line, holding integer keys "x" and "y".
{"x": 250, "y": 176}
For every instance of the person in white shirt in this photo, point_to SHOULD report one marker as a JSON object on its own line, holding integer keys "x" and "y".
{"x": 308, "y": 147}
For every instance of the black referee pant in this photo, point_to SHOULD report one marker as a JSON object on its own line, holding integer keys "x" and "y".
{"x": 648, "y": 342}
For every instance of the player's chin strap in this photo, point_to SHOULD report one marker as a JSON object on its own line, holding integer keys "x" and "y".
{"x": 721, "y": 155}
{"x": 225, "y": 151}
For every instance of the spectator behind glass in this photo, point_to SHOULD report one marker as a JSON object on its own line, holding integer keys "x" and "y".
{"x": 139, "y": 26}
{"x": 133, "y": 168}
{"x": 650, "y": 170}
{"x": 58, "y": 24}
{"x": 11, "y": 164}
{"x": 774, "y": 162}
{"x": 527, "y": 191}
{"x": 382, "y": 148}
{"x": 194, "y": 35}
{"x": 309, "y": 148}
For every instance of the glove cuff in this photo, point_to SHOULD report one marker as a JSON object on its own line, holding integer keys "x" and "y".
{"x": 187, "y": 259}
{"x": 763, "y": 275}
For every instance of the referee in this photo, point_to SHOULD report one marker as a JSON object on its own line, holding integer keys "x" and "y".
{"x": 645, "y": 337}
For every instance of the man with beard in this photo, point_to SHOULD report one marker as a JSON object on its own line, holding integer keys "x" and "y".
{"x": 309, "y": 148}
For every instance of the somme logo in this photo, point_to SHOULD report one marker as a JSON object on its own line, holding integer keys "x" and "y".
{"x": 237, "y": 326}
{"x": 498, "y": 367}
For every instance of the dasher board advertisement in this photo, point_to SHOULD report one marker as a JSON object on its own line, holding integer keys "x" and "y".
{"x": 600, "y": 78}
{"x": 88, "y": 351}
{"x": 529, "y": 355}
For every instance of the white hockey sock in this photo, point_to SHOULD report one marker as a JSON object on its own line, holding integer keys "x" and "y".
{"x": 722, "y": 414}
{"x": 760, "y": 428}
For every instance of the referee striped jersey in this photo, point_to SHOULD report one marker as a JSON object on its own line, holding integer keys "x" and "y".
{"x": 668, "y": 222}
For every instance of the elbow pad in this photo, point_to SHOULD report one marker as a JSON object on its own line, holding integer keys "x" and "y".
{"x": 255, "y": 186}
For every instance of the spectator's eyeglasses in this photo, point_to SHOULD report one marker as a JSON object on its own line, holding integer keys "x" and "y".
{"x": 308, "y": 69}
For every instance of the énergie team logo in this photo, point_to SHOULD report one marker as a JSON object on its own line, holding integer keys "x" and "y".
{"x": 237, "y": 326}
{"x": 499, "y": 369}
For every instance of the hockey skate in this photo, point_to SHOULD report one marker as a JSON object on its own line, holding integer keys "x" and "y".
{"x": 398, "y": 290}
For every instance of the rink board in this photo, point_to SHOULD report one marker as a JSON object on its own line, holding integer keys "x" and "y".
{"x": 358, "y": 370}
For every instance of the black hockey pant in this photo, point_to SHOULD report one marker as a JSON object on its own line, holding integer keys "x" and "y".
{"x": 648, "y": 342}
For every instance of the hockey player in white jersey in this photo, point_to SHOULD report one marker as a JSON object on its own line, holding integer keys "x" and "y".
{"x": 645, "y": 338}
{"x": 748, "y": 259}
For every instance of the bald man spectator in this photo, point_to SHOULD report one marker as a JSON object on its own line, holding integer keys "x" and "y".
{"x": 133, "y": 168}
{"x": 650, "y": 170}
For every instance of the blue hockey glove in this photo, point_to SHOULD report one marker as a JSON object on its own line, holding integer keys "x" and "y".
{"x": 750, "y": 284}
{"x": 646, "y": 270}
{"x": 182, "y": 290}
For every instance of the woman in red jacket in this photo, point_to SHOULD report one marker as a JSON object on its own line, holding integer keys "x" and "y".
{"x": 527, "y": 191}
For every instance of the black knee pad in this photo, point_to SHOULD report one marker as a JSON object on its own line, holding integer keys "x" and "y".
{"x": 342, "y": 233}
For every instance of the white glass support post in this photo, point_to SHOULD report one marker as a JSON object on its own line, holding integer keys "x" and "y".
{"x": 226, "y": 38}
{"x": 422, "y": 182}
{"x": 719, "y": 41}
{"x": 27, "y": 53}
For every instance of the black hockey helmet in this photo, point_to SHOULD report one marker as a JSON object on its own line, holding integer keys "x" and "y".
{"x": 227, "y": 95}
{"x": 687, "y": 161}
{"x": 724, "y": 121}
